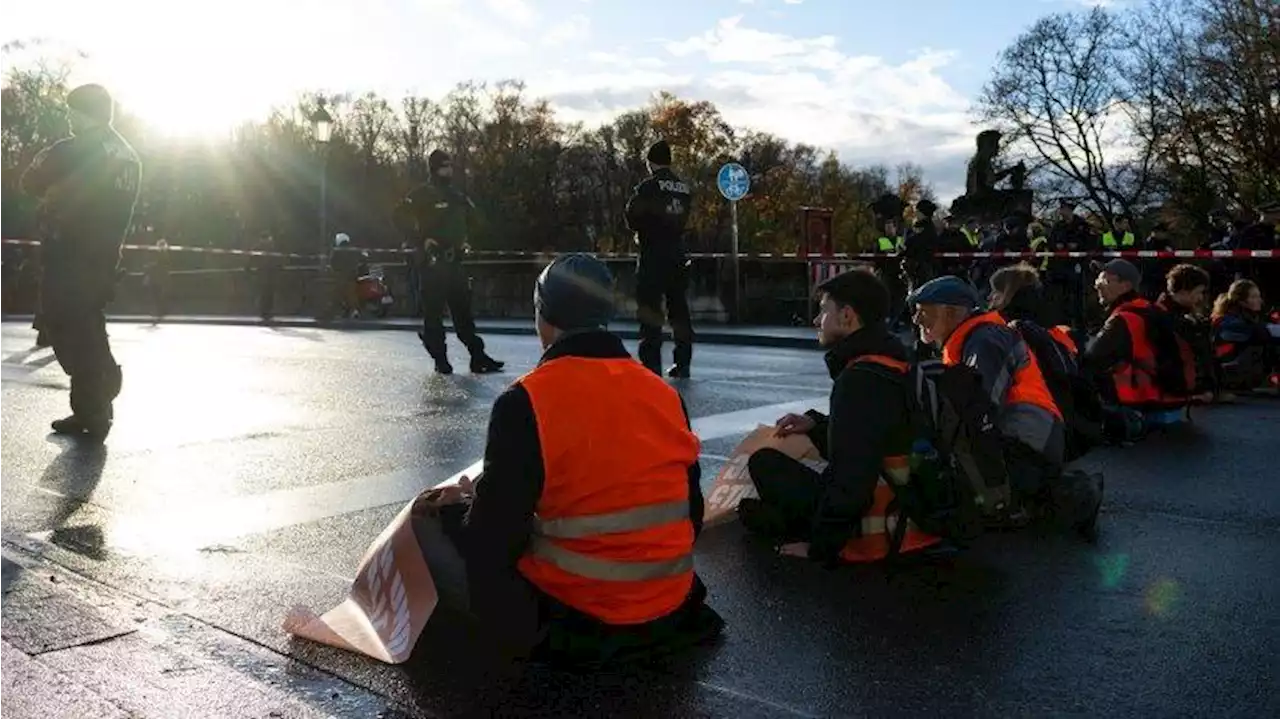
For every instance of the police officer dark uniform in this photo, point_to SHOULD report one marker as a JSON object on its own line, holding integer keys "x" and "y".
{"x": 919, "y": 245}
{"x": 88, "y": 185}
{"x": 657, "y": 213}
{"x": 435, "y": 215}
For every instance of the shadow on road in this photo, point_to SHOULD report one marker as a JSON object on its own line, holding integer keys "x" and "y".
{"x": 73, "y": 476}
{"x": 309, "y": 335}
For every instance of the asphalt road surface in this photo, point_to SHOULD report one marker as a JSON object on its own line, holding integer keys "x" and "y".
{"x": 249, "y": 469}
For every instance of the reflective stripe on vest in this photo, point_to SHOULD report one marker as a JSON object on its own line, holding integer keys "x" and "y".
{"x": 877, "y": 524}
{"x": 971, "y": 236}
{"x": 872, "y": 544}
{"x": 604, "y": 570}
{"x": 1135, "y": 380}
{"x": 1028, "y": 386}
{"x": 1109, "y": 240}
{"x": 628, "y": 520}
{"x": 612, "y": 537}
{"x": 1062, "y": 335}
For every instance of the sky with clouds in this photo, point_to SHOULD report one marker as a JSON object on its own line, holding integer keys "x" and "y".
{"x": 877, "y": 81}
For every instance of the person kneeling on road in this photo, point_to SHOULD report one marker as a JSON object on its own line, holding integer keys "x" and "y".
{"x": 841, "y": 513}
{"x": 577, "y": 541}
{"x": 1025, "y": 414}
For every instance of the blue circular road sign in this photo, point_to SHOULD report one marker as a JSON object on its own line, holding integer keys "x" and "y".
{"x": 733, "y": 181}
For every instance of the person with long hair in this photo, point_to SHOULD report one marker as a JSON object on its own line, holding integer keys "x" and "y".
{"x": 1243, "y": 346}
{"x": 1017, "y": 294}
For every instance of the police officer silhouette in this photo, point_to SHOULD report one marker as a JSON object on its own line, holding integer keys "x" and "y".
{"x": 657, "y": 213}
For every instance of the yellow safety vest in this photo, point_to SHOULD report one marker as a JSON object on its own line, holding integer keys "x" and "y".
{"x": 887, "y": 244}
{"x": 1040, "y": 244}
{"x": 1109, "y": 240}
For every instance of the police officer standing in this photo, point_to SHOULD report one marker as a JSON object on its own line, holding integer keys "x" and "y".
{"x": 657, "y": 213}
{"x": 88, "y": 185}
{"x": 435, "y": 215}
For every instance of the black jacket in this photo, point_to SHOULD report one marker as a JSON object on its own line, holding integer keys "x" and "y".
{"x": 1111, "y": 346}
{"x": 868, "y": 422}
{"x": 88, "y": 185}
{"x": 657, "y": 212}
{"x": 1198, "y": 333}
{"x": 496, "y": 530}
{"x": 1073, "y": 234}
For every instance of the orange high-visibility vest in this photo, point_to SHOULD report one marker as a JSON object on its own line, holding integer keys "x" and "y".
{"x": 1028, "y": 382}
{"x": 1062, "y": 335}
{"x": 878, "y": 524}
{"x": 612, "y": 536}
{"x": 1135, "y": 380}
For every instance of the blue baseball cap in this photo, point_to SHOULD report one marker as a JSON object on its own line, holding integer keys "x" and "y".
{"x": 947, "y": 290}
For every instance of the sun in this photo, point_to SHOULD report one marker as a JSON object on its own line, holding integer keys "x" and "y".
{"x": 192, "y": 115}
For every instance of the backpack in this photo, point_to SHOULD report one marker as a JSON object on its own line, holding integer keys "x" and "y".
{"x": 1175, "y": 360}
{"x": 959, "y": 483}
{"x": 1075, "y": 396}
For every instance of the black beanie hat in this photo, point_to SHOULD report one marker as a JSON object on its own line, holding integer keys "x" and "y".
{"x": 575, "y": 292}
{"x": 92, "y": 101}
{"x": 437, "y": 159}
{"x": 659, "y": 153}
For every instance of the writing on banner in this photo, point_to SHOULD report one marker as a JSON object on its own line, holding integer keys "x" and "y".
{"x": 733, "y": 482}
{"x": 386, "y": 607}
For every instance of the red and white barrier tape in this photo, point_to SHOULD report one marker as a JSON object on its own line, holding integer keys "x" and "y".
{"x": 811, "y": 259}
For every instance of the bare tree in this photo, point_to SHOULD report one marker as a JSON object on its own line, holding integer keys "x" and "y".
{"x": 1210, "y": 70}
{"x": 1060, "y": 95}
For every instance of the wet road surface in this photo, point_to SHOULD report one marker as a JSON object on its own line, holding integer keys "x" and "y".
{"x": 250, "y": 467}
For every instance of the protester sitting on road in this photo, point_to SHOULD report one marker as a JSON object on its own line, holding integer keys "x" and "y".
{"x": 1026, "y": 415}
{"x": 1184, "y": 300}
{"x": 840, "y": 513}
{"x": 1137, "y": 361}
{"x": 1017, "y": 295}
{"x": 578, "y": 538}
{"x": 1248, "y": 355}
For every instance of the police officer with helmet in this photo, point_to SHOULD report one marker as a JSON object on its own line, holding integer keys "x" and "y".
{"x": 657, "y": 213}
{"x": 435, "y": 215}
{"x": 88, "y": 185}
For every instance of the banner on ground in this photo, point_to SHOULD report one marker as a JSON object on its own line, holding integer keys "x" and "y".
{"x": 733, "y": 483}
{"x": 388, "y": 604}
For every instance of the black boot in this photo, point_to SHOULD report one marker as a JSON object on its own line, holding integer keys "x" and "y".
{"x": 678, "y": 371}
{"x": 484, "y": 364}
{"x": 94, "y": 427}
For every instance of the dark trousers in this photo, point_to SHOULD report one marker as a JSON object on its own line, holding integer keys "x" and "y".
{"x": 654, "y": 284}
{"x": 789, "y": 493}
{"x": 266, "y": 294}
{"x": 414, "y": 277}
{"x": 445, "y": 284}
{"x": 447, "y": 567}
{"x": 159, "y": 287}
{"x": 78, "y": 336}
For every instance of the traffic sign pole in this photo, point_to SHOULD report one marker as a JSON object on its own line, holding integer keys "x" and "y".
{"x": 737, "y": 280}
{"x": 734, "y": 183}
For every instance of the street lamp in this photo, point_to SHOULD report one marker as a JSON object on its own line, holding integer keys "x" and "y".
{"x": 322, "y": 124}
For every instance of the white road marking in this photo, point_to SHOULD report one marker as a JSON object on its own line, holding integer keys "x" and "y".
{"x": 219, "y": 520}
